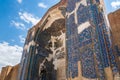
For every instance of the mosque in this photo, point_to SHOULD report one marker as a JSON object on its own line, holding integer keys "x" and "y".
{"x": 72, "y": 41}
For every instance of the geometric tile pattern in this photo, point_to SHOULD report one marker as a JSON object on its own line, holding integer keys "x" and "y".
{"x": 92, "y": 46}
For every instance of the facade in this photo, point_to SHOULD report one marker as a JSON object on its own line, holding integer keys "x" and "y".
{"x": 71, "y": 42}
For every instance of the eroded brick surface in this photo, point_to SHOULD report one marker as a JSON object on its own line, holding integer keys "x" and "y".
{"x": 9, "y": 73}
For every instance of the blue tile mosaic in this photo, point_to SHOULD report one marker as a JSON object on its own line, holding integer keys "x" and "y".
{"x": 117, "y": 50}
{"x": 87, "y": 59}
{"x": 97, "y": 56}
{"x": 71, "y": 5}
{"x": 82, "y": 14}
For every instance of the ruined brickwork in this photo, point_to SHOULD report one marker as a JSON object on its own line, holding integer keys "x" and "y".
{"x": 114, "y": 19}
{"x": 9, "y": 73}
{"x": 71, "y": 42}
{"x": 5, "y": 71}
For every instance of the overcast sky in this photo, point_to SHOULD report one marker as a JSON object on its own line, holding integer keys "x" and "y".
{"x": 17, "y": 16}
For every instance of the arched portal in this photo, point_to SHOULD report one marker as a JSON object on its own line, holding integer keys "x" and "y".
{"x": 50, "y": 53}
{"x": 44, "y": 49}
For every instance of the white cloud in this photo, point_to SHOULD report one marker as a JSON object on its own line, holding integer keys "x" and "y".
{"x": 19, "y": 1}
{"x": 9, "y": 55}
{"x": 115, "y": 4}
{"x": 18, "y": 25}
{"x": 22, "y": 39}
{"x": 28, "y": 17}
{"x": 42, "y": 5}
{"x": 13, "y": 40}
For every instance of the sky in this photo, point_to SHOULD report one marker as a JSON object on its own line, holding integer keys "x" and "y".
{"x": 17, "y": 17}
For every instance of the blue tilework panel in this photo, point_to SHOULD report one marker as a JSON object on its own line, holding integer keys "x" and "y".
{"x": 117, "y": 50}
{"x": 104, "y": 41}
{"x": 99, "y": 59}
{"x": 82, "y": 14}
{"x": 109, "y": 48}
{"x": 85, "y": 37}
{"x": 72, "y": 47}
{"x": 72, "y": 44}
{"x": 73, "y": 57}
{"x": 97, "y": 1}
{"x": 71, "y": 26}
{"x": 92, "y": 46}
{"x": 87, "y": 59}
{"x": 71, "y": 5}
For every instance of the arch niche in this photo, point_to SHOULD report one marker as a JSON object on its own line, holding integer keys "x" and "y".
{"x": 50, "y": 52}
